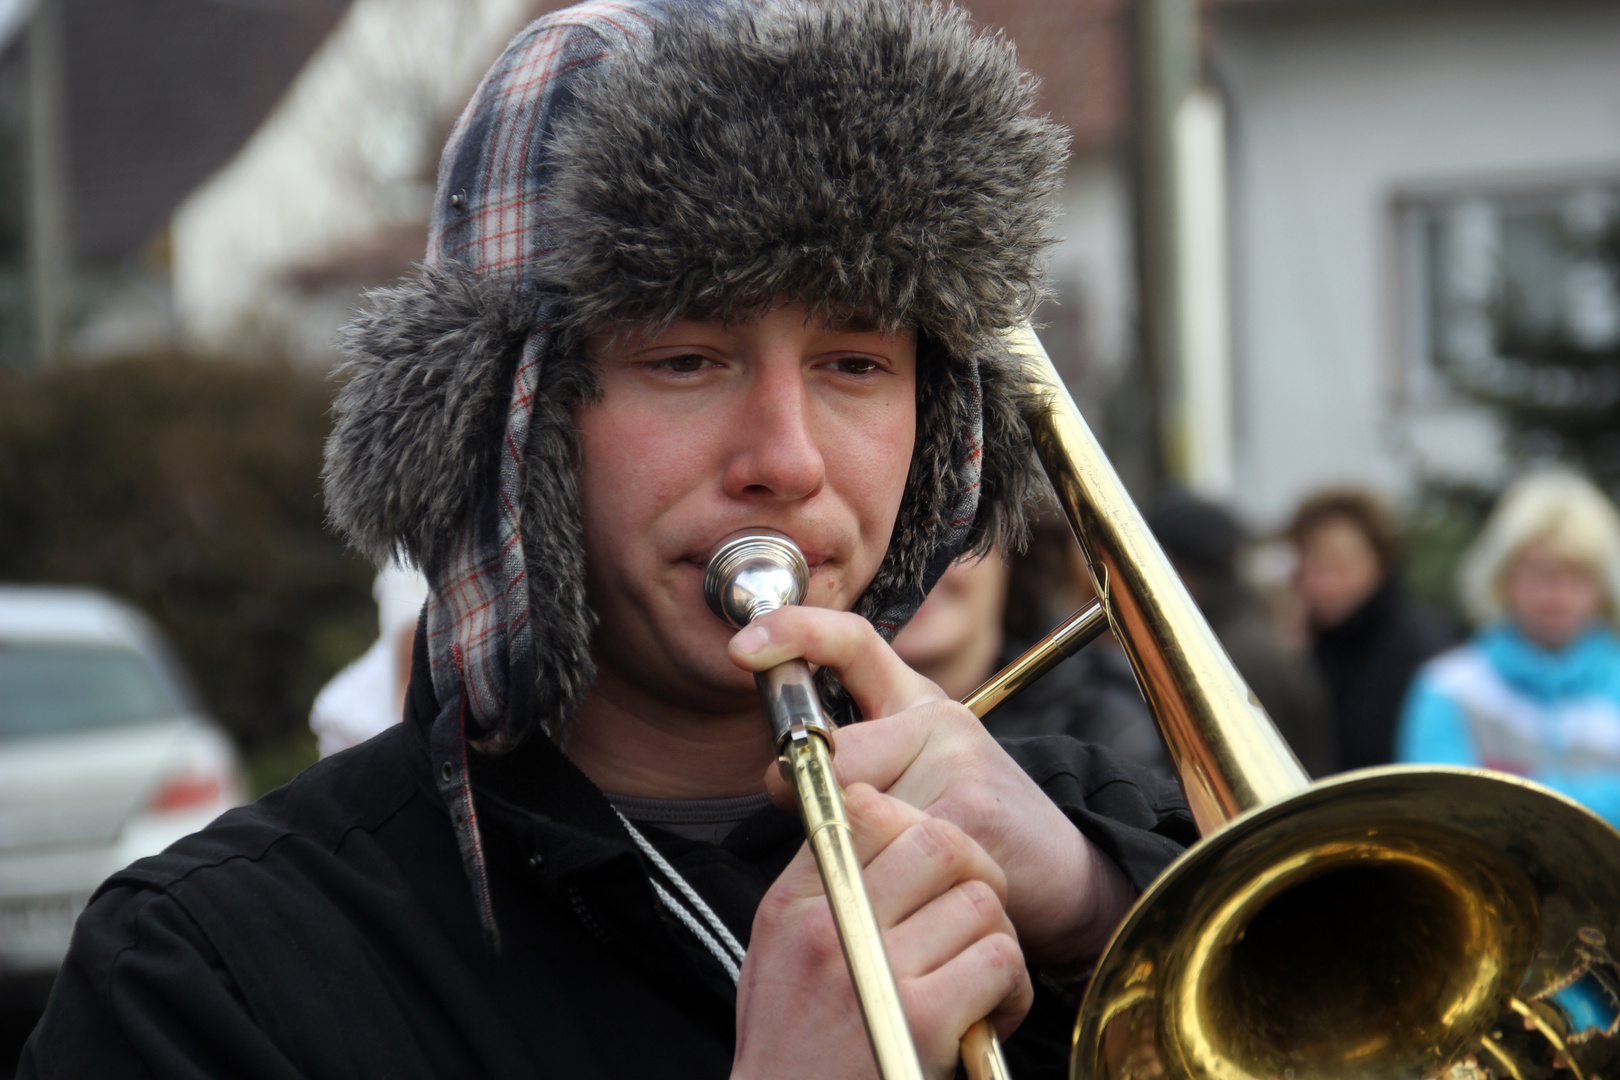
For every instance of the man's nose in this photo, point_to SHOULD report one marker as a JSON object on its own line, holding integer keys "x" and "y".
{"x": 777, "y": 455}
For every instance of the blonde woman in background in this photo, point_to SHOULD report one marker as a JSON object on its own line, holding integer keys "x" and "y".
{"x": 1537, "y": 691}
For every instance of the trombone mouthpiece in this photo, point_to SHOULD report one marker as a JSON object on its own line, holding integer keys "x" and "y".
{"x": 752, "y": 573}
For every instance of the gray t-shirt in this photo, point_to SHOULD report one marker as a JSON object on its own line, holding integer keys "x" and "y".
{"x": 708, "y": 820}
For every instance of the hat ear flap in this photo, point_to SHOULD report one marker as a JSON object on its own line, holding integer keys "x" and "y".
{"x": 428, "y": 372}
{"x": 561, "y": 620}
{"x": 973, "y": 475}
{"x": 414, "y": 446}
{"x": 1010, "y": 478}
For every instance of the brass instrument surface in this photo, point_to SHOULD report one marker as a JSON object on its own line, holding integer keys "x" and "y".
{"x": 807, "y": 763}
{"x": 1074, "y": 634}
{"x": 1410, "y": 922}
{"x": 1226, "y": 752}
{"x": 981, "y": 1053}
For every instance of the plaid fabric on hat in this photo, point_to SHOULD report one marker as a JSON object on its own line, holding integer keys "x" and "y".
{"x": 490, "y": 214}
{"x": 490, "y": 219}
{"x": 969, "y": 445}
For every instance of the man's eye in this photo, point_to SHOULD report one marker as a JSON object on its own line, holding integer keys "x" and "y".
{"x": 857, "y": 365}
{"x": 685, "y": 365}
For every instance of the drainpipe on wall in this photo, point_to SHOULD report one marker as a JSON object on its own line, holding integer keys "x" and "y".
{"x": 1185, "y": 302}
{"x": 49, "y": 239}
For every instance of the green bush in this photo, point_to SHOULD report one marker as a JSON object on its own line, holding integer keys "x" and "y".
{"x": 1445, "y": 518}
{"x": 192, "y": 489}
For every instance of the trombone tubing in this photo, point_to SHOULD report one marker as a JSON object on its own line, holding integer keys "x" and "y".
{"x": 807, "y": 762}
{"x": 1074, "y": 634}
{"x": 1227, "y": 754}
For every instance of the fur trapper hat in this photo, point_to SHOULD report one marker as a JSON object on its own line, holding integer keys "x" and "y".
{"x": 647, "y": 160}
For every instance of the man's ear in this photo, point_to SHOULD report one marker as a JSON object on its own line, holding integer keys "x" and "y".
{"x": 428, "y": 376}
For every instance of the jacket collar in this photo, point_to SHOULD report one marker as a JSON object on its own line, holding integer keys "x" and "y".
{"x": 543, "y": 821}
{"x": 536, "y": 806}
{"x": 533, "y": 788}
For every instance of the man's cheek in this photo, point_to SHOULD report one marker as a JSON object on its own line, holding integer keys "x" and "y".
{"x": 829, "y": 591}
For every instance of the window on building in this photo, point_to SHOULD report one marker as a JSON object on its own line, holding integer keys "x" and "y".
{"x": 1512, "y": 294}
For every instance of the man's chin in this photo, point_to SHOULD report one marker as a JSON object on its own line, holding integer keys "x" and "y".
{"x": 730, "y": 690}
{"x": 703, "y": 685}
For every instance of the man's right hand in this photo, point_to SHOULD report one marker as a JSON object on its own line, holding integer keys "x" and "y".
{"x": 940, "y": 901}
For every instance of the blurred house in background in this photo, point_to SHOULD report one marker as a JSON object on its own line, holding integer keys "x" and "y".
{"x": 1384, "y": 199}
{"x": 152, "y": 98}
{"x": 1377, "y": 189}
{"x": 1388, "y": 200}
{"x": 331, "y": 194}
{"x": 1405, "y": 179}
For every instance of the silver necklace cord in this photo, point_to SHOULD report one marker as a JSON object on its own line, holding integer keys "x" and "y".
{"x": 732, "y": 954}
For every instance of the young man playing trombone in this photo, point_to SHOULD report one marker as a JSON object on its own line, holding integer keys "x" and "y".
{"x": 694, "y": 268}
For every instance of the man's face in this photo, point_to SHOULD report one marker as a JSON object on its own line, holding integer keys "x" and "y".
{"x": 784, "y": 422}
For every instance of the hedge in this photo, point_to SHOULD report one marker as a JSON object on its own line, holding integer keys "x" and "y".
{"x": 191, "y": 488}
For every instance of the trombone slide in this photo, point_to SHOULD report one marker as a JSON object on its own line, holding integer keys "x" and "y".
{"x": 807, "y": 762}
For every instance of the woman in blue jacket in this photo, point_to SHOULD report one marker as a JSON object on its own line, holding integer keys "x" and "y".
{"x": 1537, "y": 691}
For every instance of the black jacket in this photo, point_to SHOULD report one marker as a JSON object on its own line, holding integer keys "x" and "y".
{"x": 1368, "y": 662}
{"x": 1092, "y": 697}
{"x": 329, "y": 931}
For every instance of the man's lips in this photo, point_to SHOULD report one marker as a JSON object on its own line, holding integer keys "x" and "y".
{"x": 700, "y": 563}
{"x": 815, "y": 554}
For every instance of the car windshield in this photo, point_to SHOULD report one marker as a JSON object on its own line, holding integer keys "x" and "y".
{"x": 52, "y": 688}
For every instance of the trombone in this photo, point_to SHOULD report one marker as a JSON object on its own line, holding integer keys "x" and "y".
{"x": 1406, "y": 921}
{"x": 1420, "y": 923}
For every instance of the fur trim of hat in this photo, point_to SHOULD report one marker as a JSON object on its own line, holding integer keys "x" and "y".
{"x": 871, "y": 156}
{"x": 875, "y": 156}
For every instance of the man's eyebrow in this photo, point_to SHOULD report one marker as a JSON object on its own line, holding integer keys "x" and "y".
{"x": 851, "y": 322}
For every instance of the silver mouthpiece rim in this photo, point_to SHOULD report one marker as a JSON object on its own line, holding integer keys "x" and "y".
{"x": 752, "y": 573}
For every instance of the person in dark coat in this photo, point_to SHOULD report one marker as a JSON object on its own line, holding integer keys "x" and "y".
{"x": 1369, "y": 635}
{"x": 694, "y": 267}
{"x": 1204, "y": 542}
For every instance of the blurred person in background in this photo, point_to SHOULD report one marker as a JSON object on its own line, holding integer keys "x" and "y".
{"x": 986, "y": 611}
{"x": 1537, "y": 691}
{"x": 1368, "y": 634}
{"x": 369, "y": 694}
{"x": 1204, "y": 543}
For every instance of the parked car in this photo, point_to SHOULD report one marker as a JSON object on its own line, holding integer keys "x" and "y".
{"x": 105, "y": 757}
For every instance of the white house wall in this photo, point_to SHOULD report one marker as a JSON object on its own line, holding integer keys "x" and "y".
{"x": 1335, "y": 109}
{"x": 348, "y": 151}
